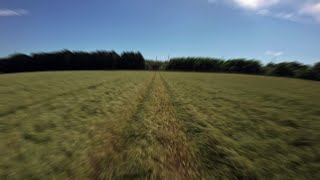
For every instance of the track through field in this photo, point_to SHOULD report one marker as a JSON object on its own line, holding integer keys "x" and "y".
{"x": 152, "y": 143}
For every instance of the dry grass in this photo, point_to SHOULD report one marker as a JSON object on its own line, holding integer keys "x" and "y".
{"x": 147, "y": 125}
{"x": 53, "y": 138}
{"x": 250, "y": 127}
{"x": 150, "y": 144}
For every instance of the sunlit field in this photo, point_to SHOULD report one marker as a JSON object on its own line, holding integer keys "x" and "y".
{"x": 158, "y": 125}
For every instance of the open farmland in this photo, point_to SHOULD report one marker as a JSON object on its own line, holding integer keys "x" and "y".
{"x": 158, "y": 125}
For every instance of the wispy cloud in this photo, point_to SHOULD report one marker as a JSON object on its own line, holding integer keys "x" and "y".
{"x": 263, "y": 12}
{"x": 274, "y": 53}
{"x": 287, "y": 16}
{"x": 212, "y": 1}
{"x": 248, "y": 4}
{"x": 255, "y": 4}
{"x": 13, "y": 12}
{"x": 311, "y": 9}
{"x": 281, "y": 15}
{"x": 304, "y": 11}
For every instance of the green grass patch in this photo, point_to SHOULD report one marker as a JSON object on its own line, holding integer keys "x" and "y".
{"x": 116, "y": 124}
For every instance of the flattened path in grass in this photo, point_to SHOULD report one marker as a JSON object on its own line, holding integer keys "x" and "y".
{"x": 152, "y": 143}
{"x": 171, "y": 151}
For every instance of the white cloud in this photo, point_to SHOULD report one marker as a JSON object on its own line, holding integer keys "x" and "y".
{"x": 311, "y": 9}
{"x": 274, "y": 53}
{"x": 301, "y": 11}
{"x": 255, "y": 4}
{"x": 13, "y": 12}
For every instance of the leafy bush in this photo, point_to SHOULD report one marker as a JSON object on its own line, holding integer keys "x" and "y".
{"x": 195, "y": 64}
{"x": 215, "y": 65}
{"x": 242, "y": 66}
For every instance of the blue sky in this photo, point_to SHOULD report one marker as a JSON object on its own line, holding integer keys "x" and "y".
{"x": 277, "y": 30}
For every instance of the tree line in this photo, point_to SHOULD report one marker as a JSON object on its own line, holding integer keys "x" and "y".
{"x": 246, "y": 66}
{"x": 110, "y": 60}
{"x": 68, "y": 60}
